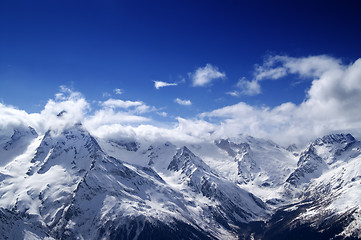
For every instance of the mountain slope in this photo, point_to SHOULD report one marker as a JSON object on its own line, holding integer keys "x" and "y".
{"x": 16, "y": 144}
{"x": 329, "y": 172}
{"x": 262, "y": 166}
{"x": 230, "y": 203}
{"x": 13, "y": 226}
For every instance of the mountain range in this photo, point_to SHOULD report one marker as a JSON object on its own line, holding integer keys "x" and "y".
{"x": 72, "y": 185}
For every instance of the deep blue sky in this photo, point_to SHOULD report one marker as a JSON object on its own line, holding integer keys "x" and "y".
{"x": 97, "y": 46}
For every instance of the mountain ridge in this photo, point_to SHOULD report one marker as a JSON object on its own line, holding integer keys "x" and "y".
{"x": 72, "y": 185}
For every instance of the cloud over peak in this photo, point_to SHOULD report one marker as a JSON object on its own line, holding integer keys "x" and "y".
{"x": 203, "y": 76}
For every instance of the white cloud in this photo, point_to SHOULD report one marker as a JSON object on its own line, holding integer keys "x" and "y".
{"x": 109, "y": 116}
{"x": 163, "y": 114}
{"x": 183, "y": 102}
{"x": 332, "y": 104}
{"x": 146, "y": 133}
{"x": 117, "y": 103}
{"x": 233, "y": 93}
{"x": 74, "y": 109}
{"x": 160, "y": 84}
{"x": 118, "y": 91}
{"x": 276, "y": 67}
{"x": 183, "y": 132}
{"x": 59, "y": 96}
{"x": 249, "y": 88}
{"x": 133, "y": 107}
{"x": 73, "y": 105}
{"x": 203, "y": 76}
{"x": 11, "y": 118}
{"x": 196, "y": 128}
{"x": 246, "y": 87}
{"x": 273, "y": 73}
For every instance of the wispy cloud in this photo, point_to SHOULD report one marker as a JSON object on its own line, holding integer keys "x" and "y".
{"x": 233, "y": 93}
{"x": 160, "y": 84}
{"x": 183, "y": 102}
{"x": 110, "y": 116}
{"x": 106, "y": 94}
{"x": 203, "y": 76}
{"x": 117, "y": 103}
{"x": 132, "y": 106}
{"x": 118, "y": 91}
{"x": 249, "y": 88}
{"x": 163, "y": 114}
{"x": 276, "y": 67}
{"x": 246, "y": 87}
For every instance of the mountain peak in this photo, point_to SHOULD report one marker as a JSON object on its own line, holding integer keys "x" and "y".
{"x": 16, "y": 144}
{"x": 187, "y": 152}
{"x": 292, "y": 148}
{"x": 233, "y": 149}
{"x": 331, "y": 146}
{"x": 335, "y": 138}
{"x": 21, "y": 132}
{"x": 74, "y": 149}
{"x": 319, "y": 156}
{"x": 185, "y": 159}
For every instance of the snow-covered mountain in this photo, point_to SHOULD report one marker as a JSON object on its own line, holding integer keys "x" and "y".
{"x": 328, "y": 179}
{"x": 324, "y": 153}
{"x": 70, "y": 185}
{"x": 262, "y": 166}
{"x": 16, "y": 144}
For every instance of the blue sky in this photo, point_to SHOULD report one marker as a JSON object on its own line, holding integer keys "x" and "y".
{"x": 95, "y": 47}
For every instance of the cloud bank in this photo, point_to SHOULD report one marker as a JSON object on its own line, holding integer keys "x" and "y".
{"x": 331, "y": 104}
{"x": 276, "y": 67}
